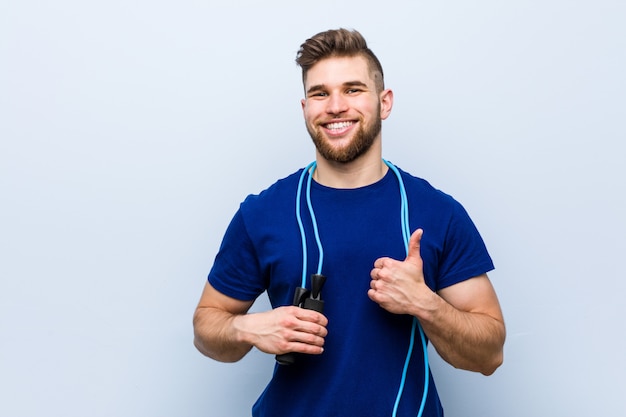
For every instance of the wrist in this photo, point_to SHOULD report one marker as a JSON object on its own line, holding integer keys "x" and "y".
{"x": 428, "y": 306}
{"x": 238, "y": 324}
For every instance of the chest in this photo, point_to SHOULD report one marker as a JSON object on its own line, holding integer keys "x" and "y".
{"x": 353, "y": 230}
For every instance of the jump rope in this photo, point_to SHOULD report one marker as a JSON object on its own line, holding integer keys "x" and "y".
{"x": 406, "y": 234}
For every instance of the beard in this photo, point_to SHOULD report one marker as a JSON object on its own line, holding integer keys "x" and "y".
{"x": 360, "y": 143}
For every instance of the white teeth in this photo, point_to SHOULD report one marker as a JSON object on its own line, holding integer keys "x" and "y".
{"x": 338, "y": 125}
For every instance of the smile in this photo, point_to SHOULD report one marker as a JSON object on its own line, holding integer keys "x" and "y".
{"x": 338, "y": 126}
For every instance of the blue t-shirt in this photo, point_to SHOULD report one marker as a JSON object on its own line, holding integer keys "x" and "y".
{"x": 360, "y": 371}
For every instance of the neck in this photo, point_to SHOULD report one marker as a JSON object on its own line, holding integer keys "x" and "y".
{"x": 361, "y": 172}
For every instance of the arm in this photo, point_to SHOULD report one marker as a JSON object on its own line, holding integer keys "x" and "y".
{"x": 464, "y": 321}
{"x": 224, "y": 331}
{"x": 465, "y": 324}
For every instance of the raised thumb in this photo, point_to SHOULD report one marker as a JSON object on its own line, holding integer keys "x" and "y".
{"x": 414, "y": 247}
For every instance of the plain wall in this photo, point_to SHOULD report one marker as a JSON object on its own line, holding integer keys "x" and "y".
{"x": 130, "y": 132}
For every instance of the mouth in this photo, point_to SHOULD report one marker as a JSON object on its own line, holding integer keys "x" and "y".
{"x": 338, "y": 128}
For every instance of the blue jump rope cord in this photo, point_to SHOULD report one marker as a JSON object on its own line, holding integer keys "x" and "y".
{"x": 299, "y": 218}
{"x": 308, "y": 169}
{"x": 314, "y": 220}
{"x": 406, "y": 235}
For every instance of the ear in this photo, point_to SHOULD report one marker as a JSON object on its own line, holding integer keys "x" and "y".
{"x": 386, "y": 103}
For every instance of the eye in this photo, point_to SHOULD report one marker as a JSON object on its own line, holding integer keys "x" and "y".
{"x": 318, "y": 94}
{"x": 353, "y": 90}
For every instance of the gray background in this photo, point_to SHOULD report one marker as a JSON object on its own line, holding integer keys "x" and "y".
{"x": 130, "y": 132}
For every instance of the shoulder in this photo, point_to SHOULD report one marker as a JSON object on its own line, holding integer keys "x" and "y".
{"x": 272, "y": 204}
{"x": 275, "y": 193}
{"x": 422, "y": 192}
{"x": 433, "y": 206}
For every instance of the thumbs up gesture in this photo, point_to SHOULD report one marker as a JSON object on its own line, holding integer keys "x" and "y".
{"x": 398, "y": 286}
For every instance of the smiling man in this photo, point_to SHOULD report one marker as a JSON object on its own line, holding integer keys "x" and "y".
{"x": 403, "y": 264}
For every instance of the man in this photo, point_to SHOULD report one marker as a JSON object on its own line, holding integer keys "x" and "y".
{"x": 362, "y": 356}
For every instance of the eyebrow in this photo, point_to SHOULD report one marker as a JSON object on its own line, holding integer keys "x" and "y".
{"x": 319, "y": 87}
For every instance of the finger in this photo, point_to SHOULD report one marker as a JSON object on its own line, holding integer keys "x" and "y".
{"x": 308, "y": 348}
{"x": 309, "y": 333}
{"x": 309, "y": 336}
{"x": 374, "y": 273}
{"x": 414, "y": 247}
{"x": 311, "y": 316}
{"x": 380, "y": 262}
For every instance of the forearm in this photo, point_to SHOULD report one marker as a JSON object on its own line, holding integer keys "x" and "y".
{"x": 216, "y": 335}
{"x": 463, "y": 321}
{"x": 467, "y": 340}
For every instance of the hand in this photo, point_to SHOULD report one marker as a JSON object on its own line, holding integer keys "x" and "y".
{"x": 285, "y": 329}
{"x": 398, "y": 286}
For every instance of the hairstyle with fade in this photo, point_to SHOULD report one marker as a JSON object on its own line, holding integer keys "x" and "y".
{"x": 339, "y": 43}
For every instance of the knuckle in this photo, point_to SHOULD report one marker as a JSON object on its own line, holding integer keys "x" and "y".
{"x": 287, "y": 322}
{"x": 320, "y": 331}
{"x": 283, "y": 346}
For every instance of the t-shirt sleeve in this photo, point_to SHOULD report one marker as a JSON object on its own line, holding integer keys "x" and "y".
{"x": 464, "y": 253}
{"x": 236, "y": 272}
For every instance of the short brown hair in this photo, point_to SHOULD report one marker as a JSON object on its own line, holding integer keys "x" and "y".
{"x": 338, "y": 43}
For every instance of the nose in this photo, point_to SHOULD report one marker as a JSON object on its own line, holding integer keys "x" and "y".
{"x": 336, "y": 104}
